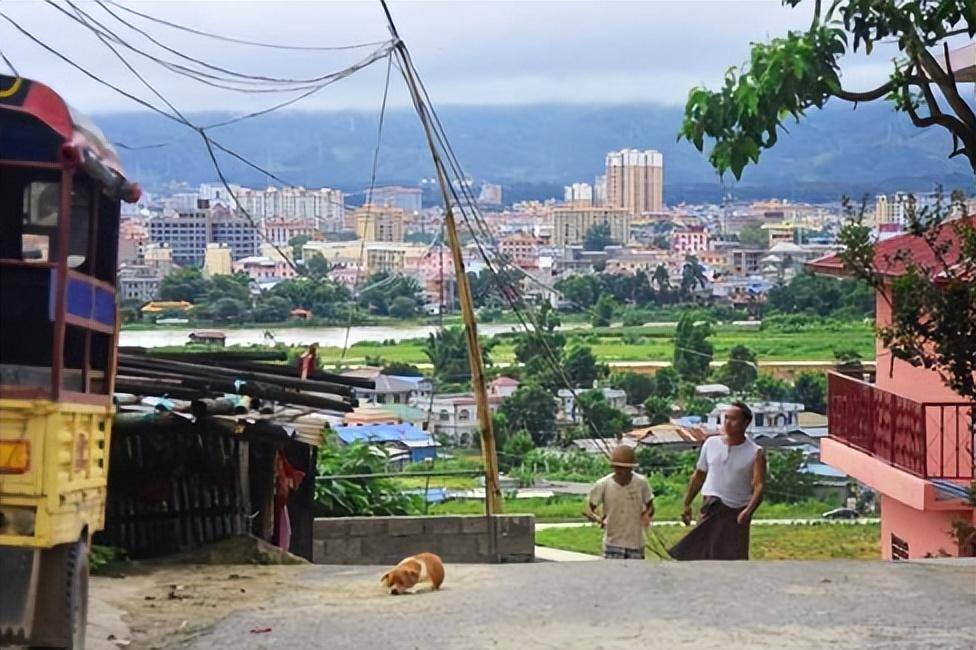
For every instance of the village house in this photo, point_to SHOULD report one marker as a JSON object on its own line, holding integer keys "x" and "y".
{"x": 906, "y": 436}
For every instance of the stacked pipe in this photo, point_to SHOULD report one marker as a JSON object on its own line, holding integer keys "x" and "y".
{"x": 204, "y": 377}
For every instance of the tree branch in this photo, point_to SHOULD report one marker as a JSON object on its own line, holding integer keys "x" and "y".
{"x": 935, "y": 72}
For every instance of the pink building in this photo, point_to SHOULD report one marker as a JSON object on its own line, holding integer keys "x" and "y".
{"x": 689, "y": 240}
{"x": 907, "y": 436}
{"x": 522, "y": 249}
{"x": 281, "y": 230}
{"x": 262, "y": 269}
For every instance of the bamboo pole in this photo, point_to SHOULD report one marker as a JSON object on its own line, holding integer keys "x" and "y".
{"x": 493, "y": 497}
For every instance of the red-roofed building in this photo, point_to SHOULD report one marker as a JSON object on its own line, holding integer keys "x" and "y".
{"x": 908, "y": 435}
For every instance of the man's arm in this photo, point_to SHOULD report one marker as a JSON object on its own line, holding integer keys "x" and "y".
{"x": 590, "y": 513}
{"x": 694, "y": 487}
{"x": 758, "y": 486}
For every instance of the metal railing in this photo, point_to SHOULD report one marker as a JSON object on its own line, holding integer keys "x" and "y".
{"x": 927, "y": 439}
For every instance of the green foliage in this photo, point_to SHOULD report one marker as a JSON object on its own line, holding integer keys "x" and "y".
{"x": 359, "y": 497}
{"x": 447, "y": 351}
{"x": 785, "y": 483}
{"x": 638, "y": 386}
{"x": 598, "y": 237}
{"x": 741, "y": 370}
{"x": 296, "y": 243}
{"x": 580, "y": 366}
{"x": 700, "y": 406}
{"x": 666, "y": 381}
{"x": 574, "y": 465}
{"x": 515, "y": 448}
{"x": 810, "y": 389}
{"x": 603, "y": 310}
{"x": 581, "y": 290}
{"x": 604, "y": 421}
{"x": 658, "y": 409}
{"x": 401, "y": 369}
{"x": 692, "y": 350}
{"x": 533, "y": 409}
{"x": 184, "y": 284}
{"x": 383, "y": 294}
{"x": 801, "y": 70}
{"x": 317, "y": 267}
{"x": 933, "y": 302}
{"x": 692, "y": 276}
{"x": 753, "y": 236}
{"x": 271, "y": 309}
{"x": 771, "y": 389}
{"x": 815, "y": 295}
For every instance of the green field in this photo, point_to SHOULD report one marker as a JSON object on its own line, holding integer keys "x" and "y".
{"x": 769, "y": 542}
{"x": 656, "y": 344}
{"x": 667, "y": 507}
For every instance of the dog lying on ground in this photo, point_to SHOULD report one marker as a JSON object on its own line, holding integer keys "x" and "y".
{"x": 423, "y": 567}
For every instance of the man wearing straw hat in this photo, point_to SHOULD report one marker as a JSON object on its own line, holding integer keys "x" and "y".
{"x": 627, "y": 504}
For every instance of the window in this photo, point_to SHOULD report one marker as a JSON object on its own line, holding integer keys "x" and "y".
{"x": 444, "y": 416}
{"x": 464, "y": 415}
{"x": 899, "y": 548}
{"x": 759, "y": 419}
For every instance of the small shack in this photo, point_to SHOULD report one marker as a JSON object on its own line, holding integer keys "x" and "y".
{"x": 208, "y": 337}
{"x": 406, "y": 437}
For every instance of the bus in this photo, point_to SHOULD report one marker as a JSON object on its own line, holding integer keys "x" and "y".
{"x": 61, "y": 185}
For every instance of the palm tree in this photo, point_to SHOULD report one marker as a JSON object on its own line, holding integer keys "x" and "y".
{"x": 692, "y": 273}
{"x": 661, "y": 278}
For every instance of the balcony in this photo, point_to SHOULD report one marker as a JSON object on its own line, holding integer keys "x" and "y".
{"x": 930, "y": 440}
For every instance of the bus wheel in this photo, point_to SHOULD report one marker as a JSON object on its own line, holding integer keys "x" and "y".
{"x": 62, "y": 614}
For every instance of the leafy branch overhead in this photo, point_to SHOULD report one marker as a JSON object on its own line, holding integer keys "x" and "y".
{"x": 791, "y": 74}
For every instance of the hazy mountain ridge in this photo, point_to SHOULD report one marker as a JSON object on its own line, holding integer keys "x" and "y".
{"x": 534, "y": 150}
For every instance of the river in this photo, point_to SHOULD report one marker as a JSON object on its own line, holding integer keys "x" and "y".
{"x": 324, "y": 336}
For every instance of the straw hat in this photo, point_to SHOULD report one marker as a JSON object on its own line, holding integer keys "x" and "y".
{"x": 623, "y": 456}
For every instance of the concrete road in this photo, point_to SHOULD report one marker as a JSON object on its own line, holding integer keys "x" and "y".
{"x": 619, "y": 605}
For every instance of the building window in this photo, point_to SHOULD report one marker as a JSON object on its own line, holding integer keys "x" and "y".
{"x": 899, "y": 548}
{"x": 464, "y": 415}
{"x": 759, "y": 419}
{"x": 444, "y": 416}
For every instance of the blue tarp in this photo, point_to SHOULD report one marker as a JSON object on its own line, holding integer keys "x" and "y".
{"x": 382, "y": 433}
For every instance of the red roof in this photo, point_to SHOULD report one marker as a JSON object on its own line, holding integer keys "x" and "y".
{"x": 891, "y": 255}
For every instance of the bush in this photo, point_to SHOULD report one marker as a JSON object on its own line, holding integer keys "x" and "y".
{"x": 359, "y": 497}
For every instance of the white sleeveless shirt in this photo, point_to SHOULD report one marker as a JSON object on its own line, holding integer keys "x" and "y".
{"x": 730, "y": 470}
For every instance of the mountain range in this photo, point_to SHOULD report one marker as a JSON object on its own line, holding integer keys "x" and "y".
{"x": 533, "y": 150}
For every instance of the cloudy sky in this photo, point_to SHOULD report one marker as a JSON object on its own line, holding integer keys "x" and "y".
{"x": 467, "y": 52}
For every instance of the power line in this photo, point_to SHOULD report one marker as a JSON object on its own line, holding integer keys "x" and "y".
{"x": 241, "y": 41}
{"x": 9, "y": 64}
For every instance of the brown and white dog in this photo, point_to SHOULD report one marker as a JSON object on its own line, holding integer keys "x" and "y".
{"x": 423, "y": 567}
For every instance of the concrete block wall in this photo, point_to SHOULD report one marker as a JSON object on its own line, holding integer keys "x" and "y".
{"x": 456, "y": 538}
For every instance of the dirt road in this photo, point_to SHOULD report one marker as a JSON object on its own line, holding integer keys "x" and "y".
{"x": 609, "y": 605}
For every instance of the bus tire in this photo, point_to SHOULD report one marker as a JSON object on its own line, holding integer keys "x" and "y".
{"x": 62, "y": 606}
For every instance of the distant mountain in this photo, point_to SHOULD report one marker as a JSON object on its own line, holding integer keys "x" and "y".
{"x": 534, "y": 150}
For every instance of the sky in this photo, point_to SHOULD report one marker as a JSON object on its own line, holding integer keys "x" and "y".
{"x": 474, "y": 53}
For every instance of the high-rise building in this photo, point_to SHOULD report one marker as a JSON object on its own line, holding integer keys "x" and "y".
{"x": 407, "y": 199}
{"x": 375, "y": 223}
{"x": 635, "y": 180}
{"x": 571, "y": 223}
{"x": 578, "y": 194}
{"x": 324, "y": 206}
{"x": 188, "y": 232}
{"x": 217, "y": 260}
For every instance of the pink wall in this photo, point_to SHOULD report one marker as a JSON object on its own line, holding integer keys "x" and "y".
{"x": 925, "y": 531}
{"x": 902, "y": 378}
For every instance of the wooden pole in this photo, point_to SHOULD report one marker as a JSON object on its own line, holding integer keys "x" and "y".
{"x": 493, "y": 496}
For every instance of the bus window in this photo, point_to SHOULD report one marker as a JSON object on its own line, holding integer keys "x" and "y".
{"x": 81, "y": 212}
{"x": 40, "y": 220}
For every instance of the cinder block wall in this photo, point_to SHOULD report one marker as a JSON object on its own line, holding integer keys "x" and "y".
{"x": 456, "y": 538}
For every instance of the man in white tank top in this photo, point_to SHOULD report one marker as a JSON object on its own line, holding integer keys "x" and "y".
{"x": 731, "y": 475}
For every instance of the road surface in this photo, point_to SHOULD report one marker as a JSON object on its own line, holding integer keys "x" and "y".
{"x": 587, "y": 605}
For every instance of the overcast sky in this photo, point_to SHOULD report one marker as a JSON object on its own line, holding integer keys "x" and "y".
{"x": 467, "y": 52}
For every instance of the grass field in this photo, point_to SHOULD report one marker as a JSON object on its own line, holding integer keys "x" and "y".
{"x": 667, "y": 507}
{"x": 788, "y": 542}
{"x": 656, "y": 344}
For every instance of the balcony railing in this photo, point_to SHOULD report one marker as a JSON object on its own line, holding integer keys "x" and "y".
{"x": 927, "y": 439}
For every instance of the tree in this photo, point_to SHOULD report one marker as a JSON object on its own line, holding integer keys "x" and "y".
{"x": 533, "y": 409}
{"x": 666, "y": 382}
{"x": 236, "y": 286}
{"x": 598, "y": 237}
{"x": 741, "y": 370}
{"x": 271, "y": 309}
{"x": 791, "y": 74}
{"x": 403, "y": 307}
{"x": 401, "y": 369}
{"x": 692, "y": 350}
{"x": 447, "y": 351}
{"x": 771, "y": 389}
{"x": 580, "y": 366}
{"x": 638, "y": 386}
{"x": 541, "y": 350}
{"x": 692, "y": 275}
{"x": 296, "y": 243}
{"x": 582, "y": 291}
{"x": 228, "y": 310}
{"x": 662, "y": 278}
{"x": 658, "y": 409}
{"x": 603, "y": 420}
{"x": 810, "y": 389}
{"x": 358, "y": 497}
{"x": 515, "y": 448}
{"x": 753, "y": 236}
{"x": 317, "y": 266}
{"x": 603, "y": 311}
{"x": 933, "y": 300}
{"x": 785, "y": 482}
{"x": 184, "y": 284}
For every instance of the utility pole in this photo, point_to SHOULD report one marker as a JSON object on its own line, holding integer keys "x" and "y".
{"x": 493, "y": 496}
